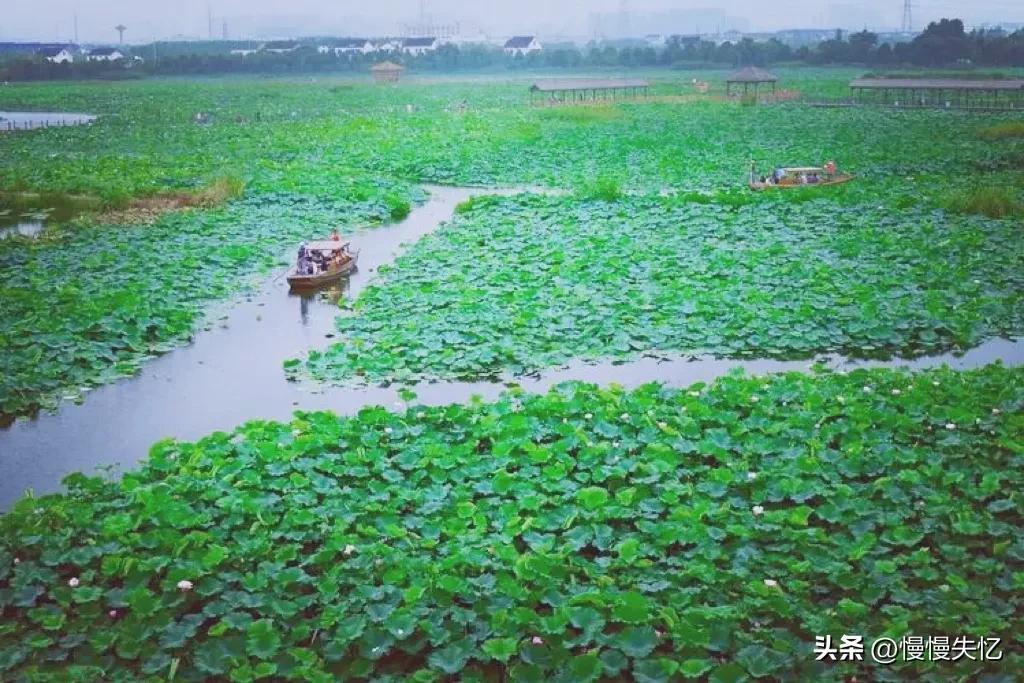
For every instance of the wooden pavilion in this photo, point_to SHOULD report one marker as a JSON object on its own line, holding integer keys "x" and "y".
{"x": 569, "y": 90}
{"x": 386, "y": 72}
{"x": 750, "y": 76}
{"x": 946, "y": 93}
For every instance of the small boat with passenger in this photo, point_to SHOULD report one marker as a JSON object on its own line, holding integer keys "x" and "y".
{"x": 789, "y": 177}
{"x": 322, "y": 262}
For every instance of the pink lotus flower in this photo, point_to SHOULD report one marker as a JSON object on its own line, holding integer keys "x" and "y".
{"x": 184, "y": 586}
{"x": 537, "y": 640}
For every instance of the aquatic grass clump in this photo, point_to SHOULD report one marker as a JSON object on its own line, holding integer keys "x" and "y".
{"x": 579, "y": 114}
{"x": 994, "y": 202}
{"x": 587, "y": 534}
{"x": 604, "y": 188}
{"x": 398, "y": 207}
{"x": 1003, "y": 131}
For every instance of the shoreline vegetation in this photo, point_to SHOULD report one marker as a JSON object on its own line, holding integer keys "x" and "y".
{"x": 89, "y": 209}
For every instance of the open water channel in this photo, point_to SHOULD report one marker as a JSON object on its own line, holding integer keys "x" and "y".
{"x": 232, "y": 373}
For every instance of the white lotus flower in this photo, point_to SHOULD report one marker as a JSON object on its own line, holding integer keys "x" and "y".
{"x": 950, "y": 426}
{"x": 420, "y": 415}
{"x": 754, "y": 399}
{"x": 771, "y": 583}
{"x": 694, "y": 393}
{"x": 662, "y": 425}
{"x": 996, "y": 411}
{"x": 867, "y": 390}
{"x": 840, "y": 399}
{"x": 751, "y": 476}
{"x": 184, "y": 585}
{"x": 296, "y": 432}
{"x": 896, "y": 392}
{"x": 73, "y": 581}
{"x": 757, "y": 510}
{"x": 349, "y": 549}
{"x": 537, "y": 640}
{"x": 588, "y": 416}
{"x": 624, "y": 416}
{"x": 17, "y": 560}
{"x": 935, "y": 383}
{"x": 388, "y": 430}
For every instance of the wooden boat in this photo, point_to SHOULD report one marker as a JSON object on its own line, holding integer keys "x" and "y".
{"x": 338, "y": 256}
{"x": 789, "y": 180}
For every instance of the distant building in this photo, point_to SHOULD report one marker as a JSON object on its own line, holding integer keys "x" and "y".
{"x": 104, "y": 54}
{"x": 419, "y": 46}
{"x": 280, "y": 46}
{"x": 522, "y": 45}
{"x": 34, "y": 49}
{"x": 57, "y": 55}
{"x": 799, "y": 37}
{"x": 348, "y": 46}
{"x": 386, "y": 45}
{"x": 655, "y": 40}
{"x": 245, "y": 52}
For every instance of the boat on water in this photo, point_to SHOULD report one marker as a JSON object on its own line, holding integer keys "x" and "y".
{"x": 322, "y": 262}
{"x": 798, "y": 176}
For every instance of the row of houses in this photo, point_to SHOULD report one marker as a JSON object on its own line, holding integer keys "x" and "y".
{"x": 517, "y": 45}
{"x": 61, "y": 53}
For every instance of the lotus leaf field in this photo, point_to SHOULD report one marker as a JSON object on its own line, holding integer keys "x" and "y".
{"x": 660, "y": 533}
{"x": 587, "y": 533}
{"x": 518, "y": 284}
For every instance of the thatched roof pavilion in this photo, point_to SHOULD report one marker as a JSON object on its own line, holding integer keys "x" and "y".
{"x": 750, "y": 76}
{"x": 386, "y": 72}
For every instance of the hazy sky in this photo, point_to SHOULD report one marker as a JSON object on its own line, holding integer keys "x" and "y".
{"x": 147, "y": 19}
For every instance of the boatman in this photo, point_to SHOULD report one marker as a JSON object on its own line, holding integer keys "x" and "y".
{"x": 830, "y": 169}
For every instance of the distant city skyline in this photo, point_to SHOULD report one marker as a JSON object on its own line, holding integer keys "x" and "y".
{"x": 146, "y": 20}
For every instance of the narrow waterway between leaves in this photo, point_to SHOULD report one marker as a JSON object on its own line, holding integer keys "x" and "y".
{"x": 232, "y": 373}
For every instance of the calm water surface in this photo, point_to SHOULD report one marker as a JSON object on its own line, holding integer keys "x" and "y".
{"x": 233, "y": 373}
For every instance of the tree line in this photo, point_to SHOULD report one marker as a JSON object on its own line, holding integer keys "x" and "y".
{"x": 942, "y": 43}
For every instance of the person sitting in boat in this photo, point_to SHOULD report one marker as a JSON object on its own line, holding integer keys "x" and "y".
{"x": 812, "y": 178}
{"x": 778, "y": 174}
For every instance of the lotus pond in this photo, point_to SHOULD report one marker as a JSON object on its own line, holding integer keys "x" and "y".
{"x": 89, "y": 304}
{"x": 587, "y": 533}
{"x": 658, "y": 533}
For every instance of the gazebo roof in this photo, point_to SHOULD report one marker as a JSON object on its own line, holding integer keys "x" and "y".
{"x": 752, "y": 74}
{"x": 387, "y": 66}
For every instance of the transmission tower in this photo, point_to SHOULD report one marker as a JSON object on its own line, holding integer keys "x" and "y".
{"x": 907, "y": 26}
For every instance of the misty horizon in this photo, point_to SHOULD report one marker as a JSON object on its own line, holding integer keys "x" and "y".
{"x": 94, "y": 21}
